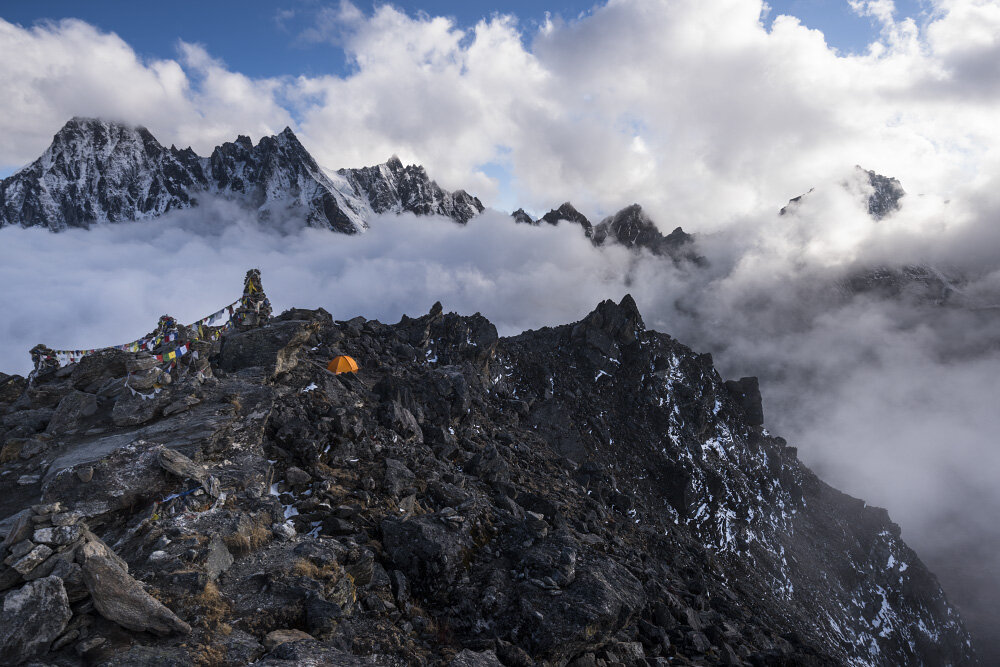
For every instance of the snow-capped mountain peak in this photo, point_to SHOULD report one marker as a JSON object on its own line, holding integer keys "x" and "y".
{"x": 98, "y": 171}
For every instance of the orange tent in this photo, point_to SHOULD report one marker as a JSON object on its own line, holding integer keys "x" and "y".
{"x": 342, "y": 364}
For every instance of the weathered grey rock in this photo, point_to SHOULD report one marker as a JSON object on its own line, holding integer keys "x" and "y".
{"x": 58, "y": 535}
{"x": 284, "y": 530}
{"x": 94, "y": 370}
{"x": 11, "y": 387}
{"x": 32, "y": 617}
{"x": 398, "y": 478}
{"x": 146, "y": 381}
{"x": 74, "y": 407}
{"x": 47, "y": 508}
{"x": 50, "y": 564}
{"x": 66, "y": 518}
{"x": 32, "y": 447}
{"x": 24, "y": 423}
{"x": 88, "y": 645}
{"x": 746, "y": 393}
{"x": 72, "y": 577}
{"x": 275, "y": 348}
{"x": 20, "y": 529}
{"x": 219, "y": 559}
{"x": 278, "y": 637}
{"x": 125, "y": 475}
{"x": 142, "y": 361}
{"x": 470, "y": 658}
{"x": 135, "y": 410}
{"x": 19, "y": 550}
{"x": 297, "y": 476}
{"x": 120, "y": 598}
{"x": 33, "y": 559}
{"x": 179, "y": 465}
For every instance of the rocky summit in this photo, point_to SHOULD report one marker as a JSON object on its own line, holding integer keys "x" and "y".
{"x": 589, "y": 494}
{"x": 98, "y": 171}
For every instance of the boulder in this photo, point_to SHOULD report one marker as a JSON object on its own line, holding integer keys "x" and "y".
{"x": 120, "y": 598}
{"x": 274, "y": 348}
{"x": 149, "y": 656}
{"x": 136, "y": 409}
{"x": 398, "y": 478}
{"x": 177, "y": 464}
{"x": 20, "y": 529}
{"x": 426, "y": 551}
{"x": 32, "y": 559}
{"x": 74, "y": 407}
{"x": 219, "y": 559}
{"x": 32, "y": 617}
{"x": 297, "y": 476}
{"x": 58, "y": 535}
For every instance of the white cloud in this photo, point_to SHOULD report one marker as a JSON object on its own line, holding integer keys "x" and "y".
{"x": 734, "y": 118}
{"x": 92, "y": 287}
{"x": 54, "y": 71}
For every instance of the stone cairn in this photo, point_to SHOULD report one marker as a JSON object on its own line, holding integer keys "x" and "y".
{"x": 255, "y": 308}
{"x": 147, "y": 373}
{"x": 44, "y": 359}
{"x": 64, "y": 574}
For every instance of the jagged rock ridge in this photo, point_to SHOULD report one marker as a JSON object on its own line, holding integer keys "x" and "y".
{"x": 629, "y": 227}
{"x": 632, "y": 228}
{"x": 393, "y": 188}
{"x": 99, "y": 172}
{"x": 590, "y": 492}
{"x": 567, "y": 212}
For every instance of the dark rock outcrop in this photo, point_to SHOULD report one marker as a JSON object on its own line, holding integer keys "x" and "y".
{"x": 570, "y": 214}
{"x": 586, "y": 494}
{"x": 521, "y": 216}
{"x": 632, "y": 228}
{"x": 393, "y": 188}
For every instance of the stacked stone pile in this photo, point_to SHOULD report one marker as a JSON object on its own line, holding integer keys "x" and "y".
{"x": 255, "y": 308}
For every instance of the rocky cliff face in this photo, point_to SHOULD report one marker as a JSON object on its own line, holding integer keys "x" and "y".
{"x": 587, "y": 494}
{"x": 568, "y": 212}
{"x": 629, "y": 227}
{"x": 99, "y": 172}
{"x": 632, "y": 228}
{"x": 393, "y": 188}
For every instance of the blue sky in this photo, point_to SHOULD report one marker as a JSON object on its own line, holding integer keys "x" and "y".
{"x": 261, "y": 38}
